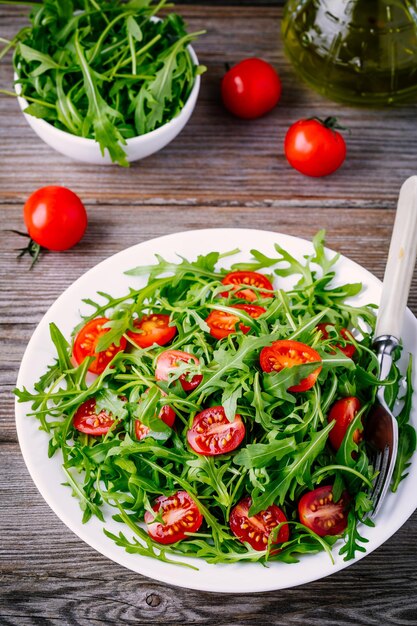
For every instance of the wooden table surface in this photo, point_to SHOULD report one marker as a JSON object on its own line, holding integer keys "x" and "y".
{"x": 219, "y": 172}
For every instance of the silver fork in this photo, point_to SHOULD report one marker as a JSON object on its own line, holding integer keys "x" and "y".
{"x": 381, "y": 428}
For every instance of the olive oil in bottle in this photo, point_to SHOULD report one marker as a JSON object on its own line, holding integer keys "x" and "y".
{"x": 354, "y": 51}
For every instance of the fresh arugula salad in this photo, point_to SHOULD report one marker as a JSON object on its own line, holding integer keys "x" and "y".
{"x": 219, "y": 415}
{"x": 104, "y": 69}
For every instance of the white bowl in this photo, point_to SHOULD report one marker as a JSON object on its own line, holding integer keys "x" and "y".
{"x": 88, "y": 150}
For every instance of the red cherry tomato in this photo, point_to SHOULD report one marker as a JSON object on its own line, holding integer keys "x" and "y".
{"x": 315, "y": 148}
{"x": 88, "y": 421}
{"x": 320, "y": 513}
{"x": 55, "y": 218}
{"x": 343, "y": 411}
{"x": 348, "y": 349}
{"x": 247, "y": 278}
{"x": 85, "y": 345}
{"x": 168, "y": 360}
{"x": 223, "y": 324}
{"x": 166, "y": 414}
{"x": 180, "y": 515}
{"x": 212, "y": 433}
{"x": 152, "y": 329}
{"x": 287, "y": 353}
{"x": 256, "y": 529}
{"x": 251, "y": 88}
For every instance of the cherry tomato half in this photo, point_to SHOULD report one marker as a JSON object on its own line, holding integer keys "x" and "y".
{"x": 86, "y": 341}
{"x": 256, "y": 529}
{"x": 320, "y": 513}
{"x": 344, "y": 412}
{"x": 348, "y": 349}
{"x": 152, "y": 329}
{"x": 168, "y": 360}
{"x": 287, "y": 353}
{"x": 180, "y": 515}
{"x": 251, "y": 88}
{"x": 55, "y": 218}
{"x": 88, "y": 421}
{"x": 211, "y": 432}
{"x": 314, "y": 148}
{"x": 223, "y": 324}
{"x": 166, "y": 414}
{"x": 247, "y": 278}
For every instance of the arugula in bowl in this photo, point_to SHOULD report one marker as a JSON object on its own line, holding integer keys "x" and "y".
{"x": 104, "y": 70}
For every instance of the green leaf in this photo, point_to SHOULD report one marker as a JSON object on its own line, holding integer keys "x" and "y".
{"x": 404, "y": 414}
{"x": 147, "y": 411}
{"x": 107, "y": 401}
{"x": 230, "y": 397}
{"x": 260, "y": 403}
{"x": 348, "y": 449}
{"x": 260, "y": 454}
{"x": 133, "y": 28}
{"x": 297, "y": 471}
{"x": 105, "y": 133}
{"x": 406, "y": 447}
{"x": 62, "y": 347}
{"x": 320, "y": 257}
{"x": 277, "y": 383}
{"x": 45, "y": 61}
{"x": 353, "y": 539}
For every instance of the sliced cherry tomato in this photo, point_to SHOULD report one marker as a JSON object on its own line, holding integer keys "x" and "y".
{"x": 248, "y": 278}
{"x": 348, "y": 349}
{"x": 168, "y": 360}
{"x": 55, "y": 218}
{"x": 212, "y": 433}
{"x": 86, "y": 342}
{"x": 287, "y": 353}
{"x": 320, "y": 513}
{"x": 88, "y": 421}
{"x": 152, "y": 329}
{"x": 166, "y": 414}
{"x": 223, "y": 324}
{"x": 251, "y": 88}
{"x": 344, "y": 412}
{"x": 180, "y": 515}
{"x": 314, "y": 147}
{"x": 256, "y": 529}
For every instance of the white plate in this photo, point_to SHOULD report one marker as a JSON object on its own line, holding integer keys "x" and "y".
{"x": 47, "y": 474}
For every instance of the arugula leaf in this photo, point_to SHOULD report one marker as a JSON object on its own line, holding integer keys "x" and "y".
{"x": 99, "y": 113}
{"x": 45, "y": 61}
{"x": 147, "y": 411}
{"x": 353, "y": 539}
{"x": 260, "y": 454}
{"x": 407, "y": 445}
{"x": 296, "y": 472}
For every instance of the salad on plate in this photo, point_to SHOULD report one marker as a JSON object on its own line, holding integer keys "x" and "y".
{"x": 220, "y": 416}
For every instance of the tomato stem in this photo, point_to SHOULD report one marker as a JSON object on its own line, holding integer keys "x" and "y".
{"x": 32, "y": 248}
{"x": 330, "y": 122}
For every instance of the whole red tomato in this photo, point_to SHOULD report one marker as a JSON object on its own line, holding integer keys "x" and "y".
{"x": 55, "y": 218}
{"x": 315, "y": 147}
{"x": 251, "y": 88}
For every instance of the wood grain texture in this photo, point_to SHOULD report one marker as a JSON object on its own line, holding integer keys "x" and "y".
{"x": 218, "y": 172}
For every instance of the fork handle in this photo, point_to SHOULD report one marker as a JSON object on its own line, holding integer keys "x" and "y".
{"x": 400, "y": 265}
